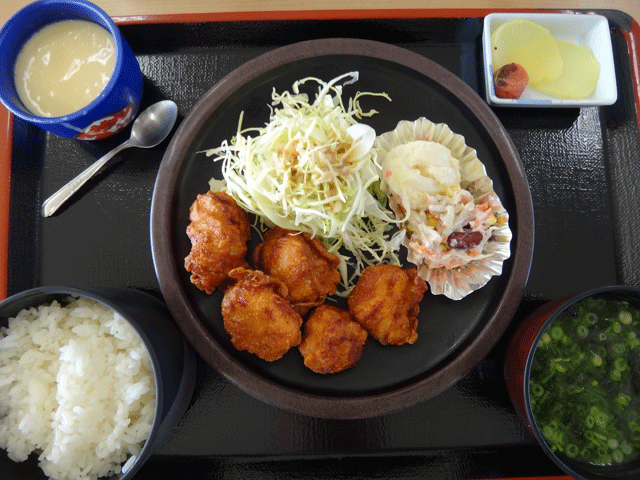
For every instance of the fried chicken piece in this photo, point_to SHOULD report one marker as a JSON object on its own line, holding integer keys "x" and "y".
{"x": 386, "y": 302}
{"x": 219, "y": 232}
{"x": 301, "y": 263}
{"x": 331, "y": 340}
{"x": 258, "y": 317}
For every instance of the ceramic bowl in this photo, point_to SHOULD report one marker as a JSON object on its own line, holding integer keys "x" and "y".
{"x": 172, "y": 359}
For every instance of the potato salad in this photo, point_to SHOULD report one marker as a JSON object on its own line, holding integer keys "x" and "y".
{"x": 446, "y": 227}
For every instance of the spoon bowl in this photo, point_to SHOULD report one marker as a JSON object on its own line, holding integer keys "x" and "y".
{"x": 151, "y": 127}
{"x": 154, "y": 124}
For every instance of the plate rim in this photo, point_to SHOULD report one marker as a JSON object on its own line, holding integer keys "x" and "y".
{"x": 285, "y": 397}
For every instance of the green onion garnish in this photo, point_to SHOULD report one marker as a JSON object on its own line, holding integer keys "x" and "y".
{"x": 585, "y": 381}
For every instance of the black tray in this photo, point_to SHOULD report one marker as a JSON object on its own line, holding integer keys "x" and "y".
{"x": 582, "y": 166}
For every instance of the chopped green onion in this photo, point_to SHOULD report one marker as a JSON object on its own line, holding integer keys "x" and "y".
{"x": 585, "y": 381}
{"x": 625, "y": 317}
{"x": 620, "y": 364}
{"x": 592, "y": 318}
{"x": 536, "y": 389}
{"x": 572, "y": 450}
{"x": 618, "y": 348}
{"x": 596, "y": 359}
{"x": 556, "y": 333}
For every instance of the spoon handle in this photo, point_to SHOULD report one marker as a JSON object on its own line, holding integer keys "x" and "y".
{"x": 55, "y": 201}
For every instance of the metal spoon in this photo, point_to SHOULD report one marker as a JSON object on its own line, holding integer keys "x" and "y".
{"x": 148, "y": 130}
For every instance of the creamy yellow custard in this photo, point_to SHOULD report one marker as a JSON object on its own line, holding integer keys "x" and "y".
{"x": 63, "y": 67}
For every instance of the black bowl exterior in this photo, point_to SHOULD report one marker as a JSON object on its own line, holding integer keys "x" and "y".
{"x": 172, "y": 359}
{"x": 579, "y": 470}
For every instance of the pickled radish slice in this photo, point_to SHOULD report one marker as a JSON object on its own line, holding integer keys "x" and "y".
{"x": 579, "y": 77}
{"x": 528, "y": 44}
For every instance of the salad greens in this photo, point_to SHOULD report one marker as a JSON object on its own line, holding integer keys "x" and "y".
{"x": 585, "y": 381}
{"x": 312, "y": 168}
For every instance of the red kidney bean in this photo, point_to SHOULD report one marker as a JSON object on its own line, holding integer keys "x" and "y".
{"x": 464, "y": 240}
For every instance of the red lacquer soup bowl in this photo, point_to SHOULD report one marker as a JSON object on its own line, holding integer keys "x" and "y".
{"x": 572, "y": 370}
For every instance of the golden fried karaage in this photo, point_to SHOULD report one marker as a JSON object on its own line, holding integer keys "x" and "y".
{"x": 219, "y": 232}
{"x": 258, "y": 317}
{"x": 301, "y": 263}
{"x": 386, "y": 302}
{"x": 331, "y": 341}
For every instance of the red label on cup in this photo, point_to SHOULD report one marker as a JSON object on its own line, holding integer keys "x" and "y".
{"x": 108, "y": 125}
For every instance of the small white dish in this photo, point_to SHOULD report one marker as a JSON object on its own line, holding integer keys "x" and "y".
{"x": 586, "y": 30}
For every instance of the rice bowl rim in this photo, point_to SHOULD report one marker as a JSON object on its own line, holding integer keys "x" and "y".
{"x": 22, "y": 300}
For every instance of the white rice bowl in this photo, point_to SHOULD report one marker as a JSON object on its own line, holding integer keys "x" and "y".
{"x": 76, "y": 388}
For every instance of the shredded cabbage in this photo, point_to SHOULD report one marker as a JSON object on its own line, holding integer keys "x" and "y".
{"x": 311, "y": 168}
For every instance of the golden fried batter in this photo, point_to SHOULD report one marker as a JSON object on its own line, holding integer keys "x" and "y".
{"x": 301, "y": 263}
{"x": 331, "y": 341}
{"x": 257, "y": 316}
{"x": 386, "y": 302}
{"x": 219, "y": 232}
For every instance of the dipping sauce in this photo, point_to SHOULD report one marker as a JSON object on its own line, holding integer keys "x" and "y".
{"x": 64, "y": 67}
{"x": 585, "y": 381}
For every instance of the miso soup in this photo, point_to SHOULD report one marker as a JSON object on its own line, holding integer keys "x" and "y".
{"x": 585, "y": 381}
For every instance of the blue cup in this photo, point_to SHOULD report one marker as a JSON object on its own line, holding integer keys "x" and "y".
{"x": 114, "y": 107}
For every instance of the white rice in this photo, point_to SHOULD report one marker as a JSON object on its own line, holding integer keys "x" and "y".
{"x": 76, "y": 387}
